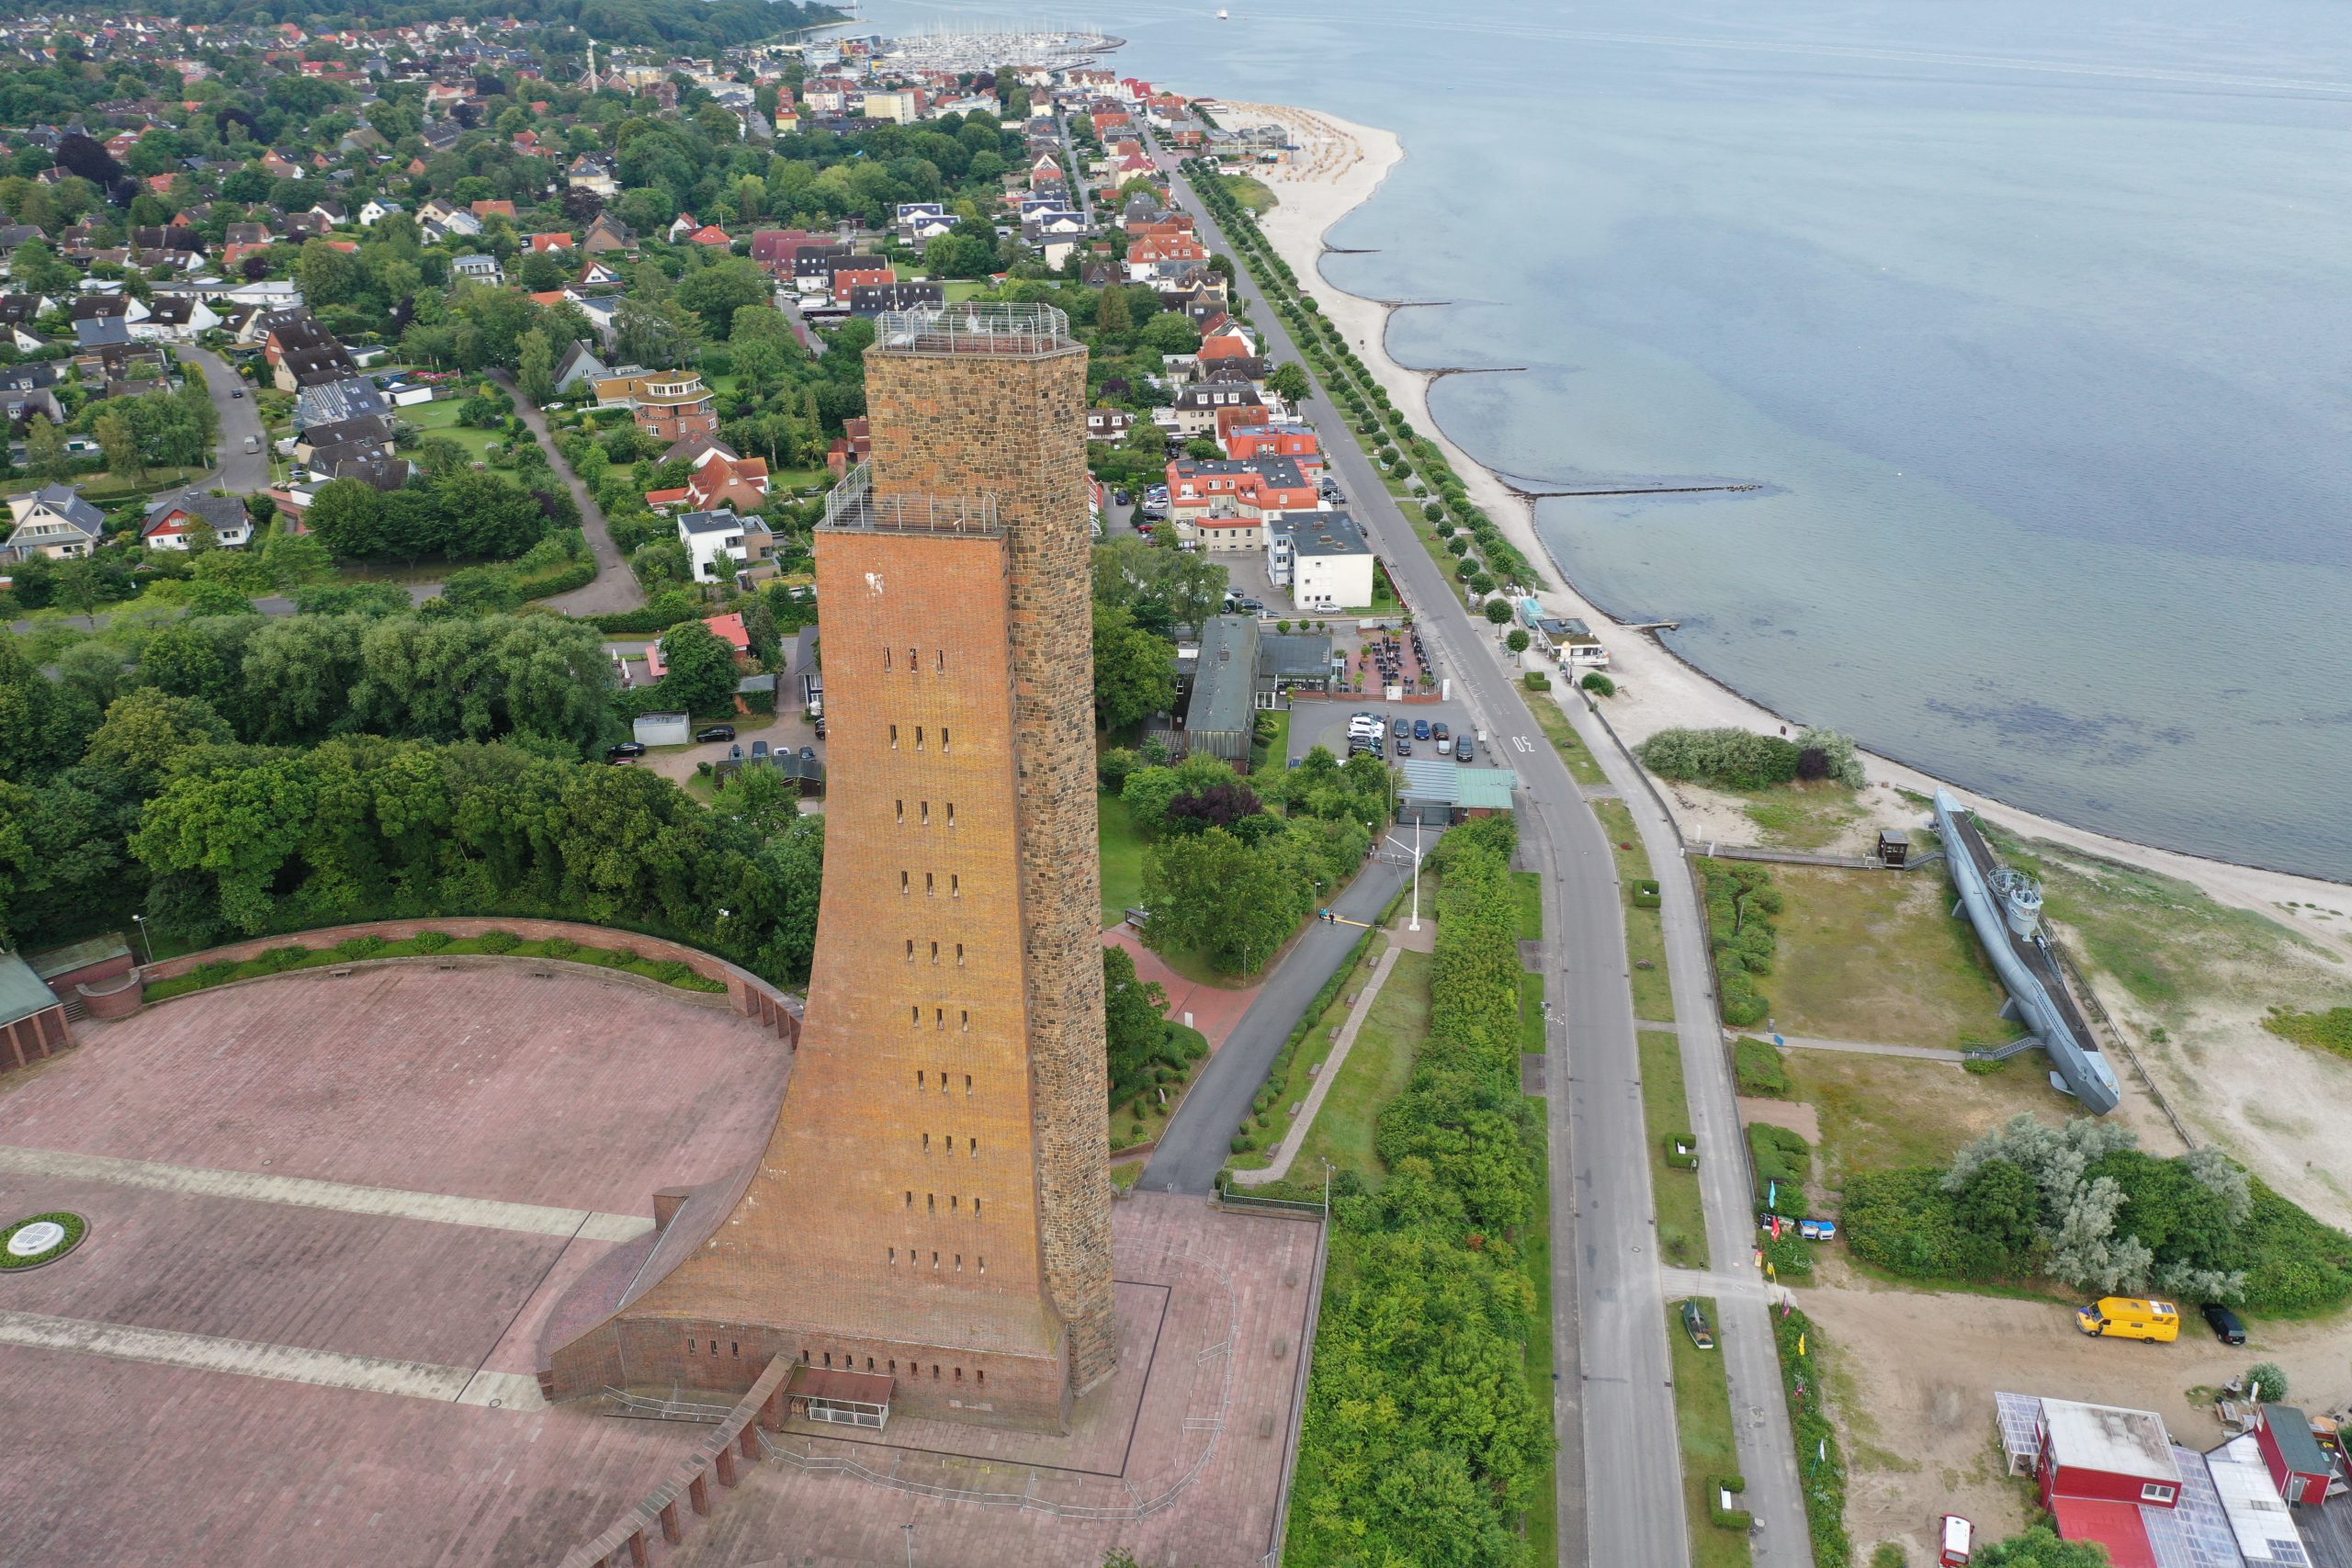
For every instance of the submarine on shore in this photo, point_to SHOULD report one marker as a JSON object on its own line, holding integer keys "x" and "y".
{"x": 2005, "y": 906}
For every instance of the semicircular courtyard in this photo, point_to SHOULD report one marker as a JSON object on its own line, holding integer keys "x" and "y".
{"x": 329, "y": 1212}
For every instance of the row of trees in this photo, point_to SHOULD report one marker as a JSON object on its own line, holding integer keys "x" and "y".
{"x": 461, "y": 513}
{"x": 1423, "y": 1440}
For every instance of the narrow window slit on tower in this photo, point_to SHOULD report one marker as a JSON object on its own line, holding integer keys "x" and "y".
{"x": 894, "y": 737}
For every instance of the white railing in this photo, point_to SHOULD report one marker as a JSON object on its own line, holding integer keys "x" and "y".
{"x": 974, "y": 327}
{"x": 852, "y": 506}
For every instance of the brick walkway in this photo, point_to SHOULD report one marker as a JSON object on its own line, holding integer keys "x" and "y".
{"x": 1215, "y": 1008}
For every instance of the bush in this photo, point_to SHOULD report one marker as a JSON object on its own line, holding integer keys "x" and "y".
{"x": 1536, "y": 680}
{"x": 1783, "y": 1163}
{"x": 1727, "y": 758}
{"x": 278, "y": 959}
{"x": 1821, "y": 1457}
{"x": 216, "y": 973}
{"x": 1724, "y": 1518}
{"x": 1680, "y": 1150}
{"x": 1761, "y": 1069}
{"x": 365, "y": 946}
{"x": 498, "y": 942}
{"x": 1741, "y": 902}
{"x": 559, "y": 947}
{"x": 2272, "y": 1378}
{"x": 1645, "y": 893}
{"x": 1600, "y": 685}
{"x": 430, "y": 942}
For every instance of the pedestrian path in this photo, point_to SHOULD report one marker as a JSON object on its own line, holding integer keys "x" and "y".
{"x": 1862, "y": 1048}
{"x": 1287, "y": 1150}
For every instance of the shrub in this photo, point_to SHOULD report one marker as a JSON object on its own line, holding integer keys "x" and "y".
{"x": 282, "y": 958}
{"x": 560, "y": 947}
{"x": 1680, "y": 1150}
{"x": 218, "y": 971}
{"x": 1889, "y": 1555}
{"x": 1536, "y": 680}
{"x": 1600, "y": 685}
{"x": 2329, "y": 1031}
{"x": 669, "y": 971}
{"x": 2272, "y": 1378}
{"x": 364, "y": 946}
{"x": 430, "y": 942}
{"x": 1645, "y": 893}
{"x": 1727, "y": 758}
{"x": 1725, "y": 1518}
{"x": 1741, "y": 902}
{"x": 498, "y": 942}
{"x": 1241, "y": 1144}
{"x": 1783, "y": 1163}
{"x": 1825, "y": 1470}
{"x": 1759, "y": 1068}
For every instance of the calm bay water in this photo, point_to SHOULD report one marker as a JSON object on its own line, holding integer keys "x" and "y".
{"x": 2034, "y": 329}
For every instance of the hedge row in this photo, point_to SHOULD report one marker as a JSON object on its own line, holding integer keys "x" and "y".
{"x": 1741, "y": 902}
{"x": 1820, "y": 1462}
{"x": 358, "y": 949}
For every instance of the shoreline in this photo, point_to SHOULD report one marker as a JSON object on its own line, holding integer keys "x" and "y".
{"x": 1341, "y": 165}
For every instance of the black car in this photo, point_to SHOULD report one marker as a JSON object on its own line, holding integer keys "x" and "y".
{"x": 807, "y": 753}
{"x": 626, "y": 751}
{"x": 716, "y": 732}
{"x": 2224, "y": 1324}
{"x": 759, "y": 750}
{"x": 237, "y": 392}
{"x": 1122, "y": 498}
{"x": 1461, "y": 748}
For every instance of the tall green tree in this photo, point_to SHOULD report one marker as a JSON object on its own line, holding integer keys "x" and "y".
{"x": 534, "y": 366}
{"x": 701, "y": 678}
{"x": 1135, "y": 672}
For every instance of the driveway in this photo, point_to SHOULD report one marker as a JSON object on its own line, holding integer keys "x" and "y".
{"x": 616, "y": 587}
{"x": 1198, "y": 1141}
{"x": 241, "y": 472}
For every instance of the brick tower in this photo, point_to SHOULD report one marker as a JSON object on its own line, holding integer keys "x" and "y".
{"x": 935, "y": 1202}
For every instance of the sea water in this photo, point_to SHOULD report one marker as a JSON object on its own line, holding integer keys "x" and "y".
{"x": 2029, "y": 325}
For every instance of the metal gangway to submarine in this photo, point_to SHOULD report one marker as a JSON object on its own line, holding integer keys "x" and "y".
{"x": 2005, "y": 906}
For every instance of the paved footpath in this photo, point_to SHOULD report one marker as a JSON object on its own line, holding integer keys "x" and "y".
{"x": 616, "y": 587}
{"x": 1287, "y": 1150}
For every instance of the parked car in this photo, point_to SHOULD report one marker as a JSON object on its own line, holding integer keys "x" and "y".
{"x": 626, "y": 751}
{"x": 759, "y": 750}
{"x": 1404, "y": 748}
{"x": 735, "y": 752}
{"x": 1438, "y": 732}
{"x": 1955, "y": 1541}
{"x": 716, "y": 732}
{"x": 807, "y": 753}
{"x": 1420, "y": 730}
{"x": 1461, "y": 748}
{"x": 1694, "y": 1324}
{"x": 1123, "y": 497}
{"x": 237, "y": 391}
{"x": 1404, "y": 730}
{"x": 2226, "y": 1325}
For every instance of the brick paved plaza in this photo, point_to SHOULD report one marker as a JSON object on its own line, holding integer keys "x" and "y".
{"x": 329, "y": 1215}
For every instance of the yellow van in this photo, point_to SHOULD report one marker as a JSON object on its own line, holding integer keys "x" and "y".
{"x": 2128, "y": 1317}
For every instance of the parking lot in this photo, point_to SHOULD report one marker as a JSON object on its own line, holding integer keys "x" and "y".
{"x": 1325, "y": 724}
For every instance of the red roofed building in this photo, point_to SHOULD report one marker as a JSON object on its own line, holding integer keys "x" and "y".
{"x": 1164, "y": 256}
{"x": 737, "y": 483}
{"x": 548, "y": 242}
{"x": 709, "y": 235}
{"x": 493, "y": 209}
{"x": 850, "y": 277}
{"x": 1297, "y": 442}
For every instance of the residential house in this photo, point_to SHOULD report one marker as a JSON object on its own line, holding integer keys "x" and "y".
{"x": 548, "y": 243}
{"x": 175, "y": 319}
{"x": 578, "y": 364}
{"x": 873, "y": 299}
{"x": 1323, "y": 557}
{"x": 592, "y": 173}
{"x": 666, "y": 404}
{"x": 170, "y": 520}
{"x": 717, "y": 482}
{"x": 1224, "y": 505}
{"x": 1108, "y": 425}
{"x": 608, "y": 233}
{"x": 1195, "y": 409}
{"x": 376, "y": 209}
{"x": 719, "y": 543}
{"x": 53, "y": 521}
{"x": 481, "y": 268}
{"x": 1299, "y": 442}
{"x": 26, "y": 390}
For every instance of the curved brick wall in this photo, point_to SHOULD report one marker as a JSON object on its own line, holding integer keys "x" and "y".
{"x": 746, "y": 992}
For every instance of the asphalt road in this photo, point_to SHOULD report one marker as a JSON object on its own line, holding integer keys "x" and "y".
{"x": 1198, "y": 1138}
{"x": 1620, "y": 1468}
{"x": 241, "y": 472}
{"x": 614, "y": 587}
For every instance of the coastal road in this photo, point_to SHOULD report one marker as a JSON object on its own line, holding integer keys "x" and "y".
{"x": 241, "y": 472}
{"x": 1620, "y": 1490}
{"x": 1744, "y": 1322}
{"x": 1198, "y": 1138}
{"x": 614, "y": 587}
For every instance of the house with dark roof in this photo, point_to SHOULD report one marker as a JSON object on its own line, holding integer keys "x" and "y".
{"x": 53, "y": 521}
{"x": 172, "y": 520}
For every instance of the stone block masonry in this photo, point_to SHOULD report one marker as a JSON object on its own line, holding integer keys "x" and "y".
{"x": 934, "y": 1202}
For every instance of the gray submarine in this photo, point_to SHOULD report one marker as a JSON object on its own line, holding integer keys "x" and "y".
{"x": 2005, "y": 906}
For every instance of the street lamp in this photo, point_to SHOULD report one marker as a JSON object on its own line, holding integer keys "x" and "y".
{"x": 146, "y": 938}
{"x": 1415, "y": 924}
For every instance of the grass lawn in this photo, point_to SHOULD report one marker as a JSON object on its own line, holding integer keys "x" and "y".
{"x": 1702, "y": 1423}
{"x": 1801, "y": 816}
{"x": 1255, "y": 196}
{"x": 959, "y": 289}
{"x": 1274, "y": 756}
{"x": 1681, "y": 1222}
{"x": 1582, "y": 764}
{"x": 1298, "y": 1075}
{"x": 1884, "y": 1112}
{"x": 1530, "y": 885}
{"x": 1877, "y": 956}
{"x": 441, "y": 419}
{"x": 1376, "y": 1071}
{"x": 1122, "y": 843}
{"x": 1644, "y": 928}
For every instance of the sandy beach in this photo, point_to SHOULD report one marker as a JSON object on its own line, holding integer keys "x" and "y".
{"x": 1339, "y": 166}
